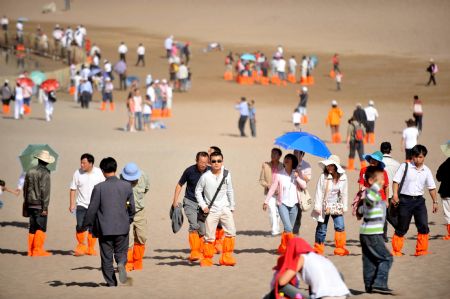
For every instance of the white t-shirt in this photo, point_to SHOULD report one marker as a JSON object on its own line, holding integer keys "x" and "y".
{"x": 296, "y": 117}
{"x": 410, "y": 136}
{"x": 137, "y": 103}
{"x": 83, "y": 183}
{"x": 57, "y": 34}
{"x": 371, "y": 113}
{"x": 19, "y": 26}
{"x": 151, "y": 93}
{"x": 122, "y": 49}
{"x": 416, "y": 179}
{"x": 108, "y": 67}
{"x": 322, "y": 276}
{"x": 168, "y": 43}
{"x": 292, "y": 64}
{"x": 141, "y": 50}
{"x": 281, "y": 66}
{"x": 289, "y": 188}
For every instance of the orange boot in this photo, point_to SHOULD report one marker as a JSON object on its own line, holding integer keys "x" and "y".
{"x": 305, "y": 119}
{"x": 397, "y": 245}
{"x": 130, "y": 261}
{"x": 30, "y": 244}
{"x": 333, "y": 137}
{"x": 5, "y": 109}
{"x": 91, "y": 245}
{"x": 351, "y": 164}
{"x": 81, "y": 248}
{"x": 338, "y": 138}
{"x": 227, "y": 258}
{"x": 103, "y": 106}
{"x": 372, "y": 138}
{"x": 194, "y": 243}
{"x": 447, "y": 237}
{"x": 38, "y": 244}
{"x": 363, "y": 164}
{"x": 219, "y": 240}
{"x": 422, "y": 245}
{"x": 111, "y": 106}
{"x": 339, "y": 241}
{"x": 26, "y": 109}
{"x": 138, "y": 255}
{"x": 285, "y": 237}
{"x": 319, "y": 248}
{"x": 208, "y": 252}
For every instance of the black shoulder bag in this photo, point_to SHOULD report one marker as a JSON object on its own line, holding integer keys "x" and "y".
{"x": 201, "y": 215}
{"x": 392, "y": 211}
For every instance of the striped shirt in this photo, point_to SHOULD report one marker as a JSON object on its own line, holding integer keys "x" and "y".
{"x": 374, "y": 212}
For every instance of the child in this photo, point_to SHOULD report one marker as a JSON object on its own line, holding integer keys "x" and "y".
{"x": 147, "y": 112}
{"x": 377, "y": 260}
{"x": 296, "y": 119}
{"x": 3, "y": 188}
{"x": 338, "y": 80}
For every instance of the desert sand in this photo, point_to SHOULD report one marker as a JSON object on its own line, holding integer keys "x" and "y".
{"x": 384, "y": 50}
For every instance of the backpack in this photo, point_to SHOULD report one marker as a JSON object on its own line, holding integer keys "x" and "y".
{"x": 359, "y": 133}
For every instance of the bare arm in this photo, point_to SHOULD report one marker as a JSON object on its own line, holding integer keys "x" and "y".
{"x": 289, "y": 273}
{"x": 176, "y": 194}
{"x": 434, "y": 197}
{"x": 72, "y": 205}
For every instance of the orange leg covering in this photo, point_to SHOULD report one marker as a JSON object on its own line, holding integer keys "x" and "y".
{"x": 227, "y": 258}
{"x": 219, "y": 240}
{"x": 447, "y": 237}
{"x": 138, "y": 255}
{"x": 319, "y": 248}
{"x": 422, "y": 245}
{"x": 208, "y": 252}
{"x": 38, "y": 244}
{"x": 81, "y": 248}
{"x": 30, "y": 244}
{"x": 397, "y": 245}
{"x": 339, "y": 241}
{"x": 91, "y": 245}
{"x": 195, "y": 244}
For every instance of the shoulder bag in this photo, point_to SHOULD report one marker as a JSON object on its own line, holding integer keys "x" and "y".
{"x": 201, "y": 215}
{"x": 392, "y": 211}
{"x": 335, "y": 208}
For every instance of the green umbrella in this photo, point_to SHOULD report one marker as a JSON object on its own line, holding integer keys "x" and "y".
{"x": 38, "y": 77}
{"x": 28, "y": 160}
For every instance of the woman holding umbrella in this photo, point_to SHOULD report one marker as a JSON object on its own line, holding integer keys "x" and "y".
{"x": 286, "y": 182}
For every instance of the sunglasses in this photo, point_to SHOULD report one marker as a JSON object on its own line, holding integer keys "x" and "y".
{"x": 216, "y": 161}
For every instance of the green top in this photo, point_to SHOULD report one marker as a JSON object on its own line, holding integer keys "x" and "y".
{"x": 140, "y": 190}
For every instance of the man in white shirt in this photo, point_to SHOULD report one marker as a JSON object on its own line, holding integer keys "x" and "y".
{"x": 168, "y": 42}
{"x": 410, "y": 201}
{"x": 83, "y": 182}
{"x": 409, "y": 138}
{"x": 243, "y": 115}
{"x": 371, "y": 115}
{"x": 140, "y": 52}
{"x": 292, "y": 65}
{"x": 182, "y": 75}
{"x": 122, "y": 51}
{"x": 221, "y": 210}
{"x": 281, "y": 69}
{"x": 95, "y": 50}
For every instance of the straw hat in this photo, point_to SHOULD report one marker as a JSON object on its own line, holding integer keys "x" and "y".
{"x": 446, "y": 148}
{"x": 131, "y": 172}
{"x": 332, "y": 160}
{"x": 45, "y": 156}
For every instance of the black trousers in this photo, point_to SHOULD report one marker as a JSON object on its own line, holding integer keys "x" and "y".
{"x": 241, "y": 124}
{"x": 140, "y": 59}
{"x": 356, "y": 146}
{"x": 298, "y": 222}
{"x": 112, "y": 247}
{"x": 418, "y": 120}
{"x": 85, "y": 98}
{"x": 432, "y": 79}
{"x": 122, "y": 57}
{"x": 37, "y": 222}
{"x": 409, "y": 207}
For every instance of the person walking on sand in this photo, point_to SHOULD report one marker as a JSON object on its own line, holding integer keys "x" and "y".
{"x": 36, "y": 196}
{"x": 216, "y": 183}
{"x": 302, "y": 104}
{"x": 443, "y": 176}
{"x": 334, "y": 120}
{"x": 286, "y": 183}
{"x": 242, "y": 106}
{"x": 331, "y": 201}
{"x": 371, "y": 117}
{"x": 409, "y": 186}
{"x": 338, "y": 78}
{"x": 252, "y": 117}
{"x": 359, "y": 114}
{"x": 409, "y": 138}
{"x": 7, "y": 96}
{"x": 432, "y": 69}
{"x": 123, "y": 49}
{"x": 418, "y": 112}
{"x": 190, "y": 177}
{"x": 268, "y": 171}
{"x": 18, "y": 99}
{"x": 138, "y": 228}
{"x": 137, "y": 99}
{"x": 85, "y": 92}
{"x": 168, "y": 42}
{"x": 49, "y": 101}
{"x": 141, "y": 53}
{"x": 110, "y": 212}
{"x": 107, "y": 95}
{"x": 83, "y": 181}
{"x": 355, "y": 143}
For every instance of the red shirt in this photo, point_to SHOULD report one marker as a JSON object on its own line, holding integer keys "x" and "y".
{"x": 362, "y": 181}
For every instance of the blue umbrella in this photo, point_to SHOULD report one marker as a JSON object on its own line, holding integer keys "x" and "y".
{"x": 305, "y": 142}
{"x": 248, "y": 57}
{"x": 131, "y": 79}
{"x": 120, "y": 67}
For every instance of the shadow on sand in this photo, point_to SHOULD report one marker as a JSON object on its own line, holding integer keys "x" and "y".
{"x": 14, "y": 223}
{"x": 59, "y": 283}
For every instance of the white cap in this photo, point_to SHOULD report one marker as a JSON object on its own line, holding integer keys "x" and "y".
{"x": 305, "y": 89}
{"x": 334, "y": 103}
{"x": 371, "y": 103}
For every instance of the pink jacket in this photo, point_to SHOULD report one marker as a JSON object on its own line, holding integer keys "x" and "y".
{"x": 277, "y": 185}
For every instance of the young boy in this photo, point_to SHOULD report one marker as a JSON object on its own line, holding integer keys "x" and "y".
{"x": 296, "y": 119}
{"x": 376, "y": 258}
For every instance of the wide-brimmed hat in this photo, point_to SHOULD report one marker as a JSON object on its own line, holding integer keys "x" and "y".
{"x": 332, "y": 160}
{"x": 378, "y": 156}
{"x": 446, "y": 148}
{"x": 45, "y": 156}
{"x": 131, "y": 172}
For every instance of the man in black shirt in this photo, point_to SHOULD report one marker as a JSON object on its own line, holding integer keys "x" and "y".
{"x": 190, "y": 177}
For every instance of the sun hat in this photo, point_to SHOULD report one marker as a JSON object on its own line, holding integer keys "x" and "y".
{"x": 45, "y": 156}
{"x": 332, "y": 160}
{"x": 378, "y": 156}
{"x": 446, "y": 148}
{"x": 334, "y": 103}
{"x": 131, "y": 172}
{"x": 305, "y": 89}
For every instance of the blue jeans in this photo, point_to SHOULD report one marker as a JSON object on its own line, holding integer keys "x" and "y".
{"x": 138, "y": 124}
{"x": 288, "y": 216}
{"x": 407, "y": 208}
{"x": 376, "y": 261}
{"x": 321, "y": 229}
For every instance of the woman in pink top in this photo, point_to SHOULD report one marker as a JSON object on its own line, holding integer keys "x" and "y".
{"x": 286, "y": 182}
{"x": 418, "y": 112}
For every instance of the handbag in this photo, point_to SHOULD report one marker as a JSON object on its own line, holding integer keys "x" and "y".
{"x": 305, "y": 199}
{"x": 201, "y": 215}
{"x": 334, "y": 208}
{"x": 25, "y": 210}
{"x": 392, "y": 211}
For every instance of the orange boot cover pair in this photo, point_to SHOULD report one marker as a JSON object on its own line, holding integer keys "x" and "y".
{"x": 397, "y": 245}
{"x": 227, "y": 258}
{"x": 371, "y": 138}
{"x": 219, "y": 240}
{"x": 130, "y": 261}
{"x": 208, "y": 252}
{"x": 447, "y": 237}
{"x": 195, "y": 244}
{"x": 38, "y": 244}
{"x": 319, "y": 248}
{"x": 339, "y": 242}
{"x": 30, "y": 244}
{"x": 351, "y": 164}
{"x": 91, "y": 245}
{"x": 138, "y": 255}
{"x": 422, "y": 245}
{"x": 285, "y": 237}
{"x": 81, "y": 248}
